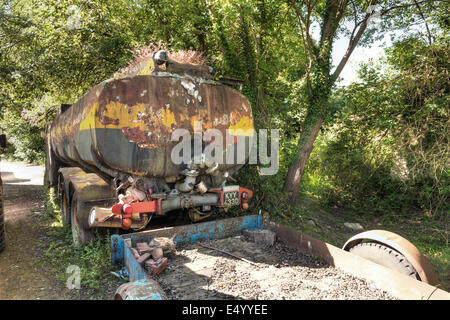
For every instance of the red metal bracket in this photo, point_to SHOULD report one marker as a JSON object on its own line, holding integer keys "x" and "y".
{"x": 145, "y": 206}
{"x": 243, "y": 203}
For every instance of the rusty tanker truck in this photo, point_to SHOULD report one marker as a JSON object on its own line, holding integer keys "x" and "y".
{"x": 110, "y": 153}
{"x": 115, "y": 158}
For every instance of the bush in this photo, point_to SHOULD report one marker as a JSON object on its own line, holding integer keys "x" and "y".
{"x": 388, "y": 151}
{"x": 24, "y": 142}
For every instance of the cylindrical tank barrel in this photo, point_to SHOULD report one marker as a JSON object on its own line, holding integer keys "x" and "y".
{"x": 125, "y": 124}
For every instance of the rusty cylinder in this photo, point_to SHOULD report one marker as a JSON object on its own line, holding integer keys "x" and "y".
{"x": 124, "y": 124}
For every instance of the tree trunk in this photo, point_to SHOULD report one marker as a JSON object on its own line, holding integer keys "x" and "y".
{"x": 297, "y": 167}
{"x": 319, "y": 91}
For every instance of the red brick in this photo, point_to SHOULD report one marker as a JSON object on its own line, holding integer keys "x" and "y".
{"x": 143, "y": 248}
{"x": 142, "y": 258}
{"x": 157, "y": 267}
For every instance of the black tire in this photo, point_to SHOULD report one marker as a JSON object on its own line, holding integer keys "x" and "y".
{"x": 80, "y": 234}
{"x": 2, "y": 220}
{"x": 385, "y": 256}
{"x": 64, "y": 203}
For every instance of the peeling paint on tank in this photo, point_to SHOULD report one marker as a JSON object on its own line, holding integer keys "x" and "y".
{"x": 168, "y": 118}
{"x": 189, "y": 86}
{"x": 242, "y": 128}
{"x": 149, "y": 67}
{"x": 135, "y": 135}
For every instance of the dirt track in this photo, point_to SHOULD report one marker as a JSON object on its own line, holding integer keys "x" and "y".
{"x": 20, "y": 276}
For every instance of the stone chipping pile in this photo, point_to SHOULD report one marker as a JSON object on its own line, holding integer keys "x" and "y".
{"x": 257, "y": 271}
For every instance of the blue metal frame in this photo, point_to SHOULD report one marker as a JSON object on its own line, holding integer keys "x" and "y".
{"x": 116, "y": 249}
{"x": 122, "y": 255}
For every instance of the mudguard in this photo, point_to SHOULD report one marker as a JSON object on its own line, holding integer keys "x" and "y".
{"x": 400, "y": 244}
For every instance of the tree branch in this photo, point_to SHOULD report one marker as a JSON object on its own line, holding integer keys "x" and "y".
{"x": 306, "y": 31}
{"x": 271, "y": 40}
{"x": 406, "y": 5}
{"x": 354, "y": 39}
{"x": 425, "y": 21}
{"x": 335, "y": 13}
{"x": 306, "y": 43}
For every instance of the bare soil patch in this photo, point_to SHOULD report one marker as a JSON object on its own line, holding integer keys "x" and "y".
{"x": 22, "y": 273}
{"x": 20, "y": 276}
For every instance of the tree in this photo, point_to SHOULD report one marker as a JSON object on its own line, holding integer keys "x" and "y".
{"x": 333, "y": 17}
{"x": 52, "y": 52}
{"x": 388, "y": 152}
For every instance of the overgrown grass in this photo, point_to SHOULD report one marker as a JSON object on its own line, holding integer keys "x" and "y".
{"x": 93, "y": 259}
{"x": 431, "y": 239}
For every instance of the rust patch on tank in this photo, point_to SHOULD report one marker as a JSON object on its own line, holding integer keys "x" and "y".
{"x": 107, "y": 120}
{"x": 135, "y": 135}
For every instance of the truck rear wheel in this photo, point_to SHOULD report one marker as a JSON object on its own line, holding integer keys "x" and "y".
{"x": 65, "y": 210}
{"x": 64, "y": 203}
{"x": 80, "y": 234}
{"x": 385, "y": 256}
{"x": 2, "y": 220}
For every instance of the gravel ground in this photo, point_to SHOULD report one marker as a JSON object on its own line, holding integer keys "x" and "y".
{"x": 195, "y": 272}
